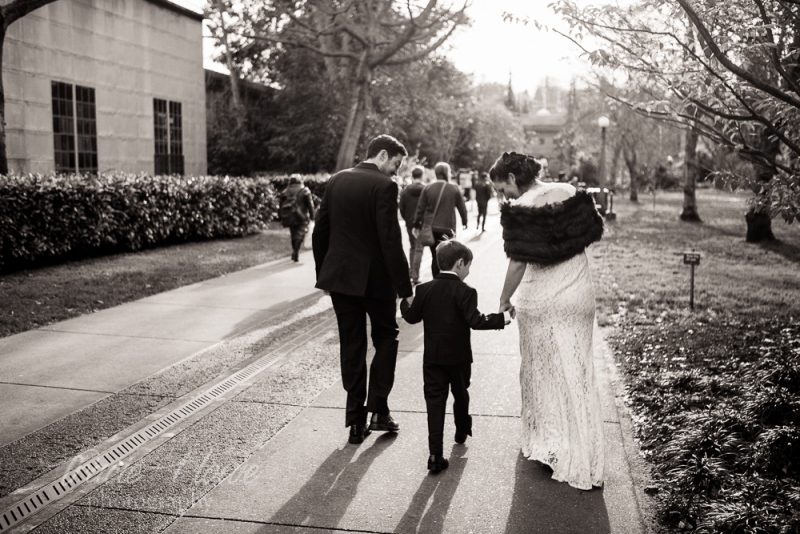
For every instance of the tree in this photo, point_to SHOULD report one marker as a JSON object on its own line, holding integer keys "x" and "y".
{"x": 357, "y": 39}
{"x": 10, "y": 13}
{"x": 723, "y": 70}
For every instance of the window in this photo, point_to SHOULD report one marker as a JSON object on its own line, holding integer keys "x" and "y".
{"x": 74, "y": 128}
{"x": 168, "y": 135}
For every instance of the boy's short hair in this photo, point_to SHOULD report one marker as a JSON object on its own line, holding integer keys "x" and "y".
{"x": 417, "y": 172}
{"x": 450, "y": 251}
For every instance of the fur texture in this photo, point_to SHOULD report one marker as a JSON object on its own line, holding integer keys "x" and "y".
{"x": 552, "y": 233}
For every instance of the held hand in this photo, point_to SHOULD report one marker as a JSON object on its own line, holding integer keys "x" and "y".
{"x": 415, "y": 231}
{"x": 507, "y": 306}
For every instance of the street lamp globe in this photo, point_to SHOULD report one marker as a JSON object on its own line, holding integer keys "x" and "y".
{"x": 603, "y": 121}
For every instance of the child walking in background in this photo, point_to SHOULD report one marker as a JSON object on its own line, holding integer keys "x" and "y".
{"x": 448, "y": 309}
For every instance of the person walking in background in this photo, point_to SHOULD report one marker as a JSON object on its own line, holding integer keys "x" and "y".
{"x": 295, "y": 212}
{"x": 359, "y": 259}
{"x": 449, "y": 198}
{"x": 409, "y": 199}
{"x": 483, "y": 192}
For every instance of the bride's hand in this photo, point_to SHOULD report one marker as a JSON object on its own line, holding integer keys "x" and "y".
{"x": 507, "y": 306}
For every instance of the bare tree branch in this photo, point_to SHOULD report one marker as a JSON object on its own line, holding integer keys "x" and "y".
{"x": 720, "y": 56}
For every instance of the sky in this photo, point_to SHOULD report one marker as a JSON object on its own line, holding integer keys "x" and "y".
{"x": 491, "y": 48}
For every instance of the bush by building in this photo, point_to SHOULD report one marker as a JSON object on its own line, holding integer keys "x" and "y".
{"x": 44, "y": 219}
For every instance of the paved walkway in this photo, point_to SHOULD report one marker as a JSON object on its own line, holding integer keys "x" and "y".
{"x": 307, "y": 478}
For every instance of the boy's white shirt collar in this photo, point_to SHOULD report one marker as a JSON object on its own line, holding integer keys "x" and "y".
{"x": 448, "y": 272}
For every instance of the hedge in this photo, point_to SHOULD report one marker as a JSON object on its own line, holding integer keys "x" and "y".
{"x": 52, "y": 218}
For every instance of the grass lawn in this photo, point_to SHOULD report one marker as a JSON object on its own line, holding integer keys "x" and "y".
{"x": 715, "y": 392}
{"x": 36, "y": 297}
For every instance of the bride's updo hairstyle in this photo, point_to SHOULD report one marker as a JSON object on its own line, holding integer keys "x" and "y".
{"x": 525, "y": 168}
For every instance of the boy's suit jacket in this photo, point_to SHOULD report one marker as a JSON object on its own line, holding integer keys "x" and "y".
{"x": 449, "y": 308}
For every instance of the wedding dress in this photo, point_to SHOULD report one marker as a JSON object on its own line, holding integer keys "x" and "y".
{"x": 561, "y": 417}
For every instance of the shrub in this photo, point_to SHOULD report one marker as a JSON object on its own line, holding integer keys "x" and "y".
{"x": 315, "y": 182}
{"x": 49, "y": 218}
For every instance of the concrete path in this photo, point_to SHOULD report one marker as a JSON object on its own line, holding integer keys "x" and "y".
{"x": 309, "y": 478}
{"x": 50, "y": 372}
{"x": 306, "y": 477}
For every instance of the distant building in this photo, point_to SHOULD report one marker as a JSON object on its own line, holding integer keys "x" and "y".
{"x": 541, "y": 129}
{"x": 106, "y": 85}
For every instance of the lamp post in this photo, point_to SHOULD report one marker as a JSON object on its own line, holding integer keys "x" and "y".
{"x": 608, "y": 199}
{"x": 603, "y": 123}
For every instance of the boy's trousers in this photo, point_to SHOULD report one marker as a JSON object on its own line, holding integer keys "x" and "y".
{"x": 438, "y": 379}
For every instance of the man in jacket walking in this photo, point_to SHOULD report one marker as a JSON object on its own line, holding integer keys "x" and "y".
{"x": 444, "y": 217}
{"x": 358, "y": 252}
{"x": 296, "y": 210}
{"x": 409, "y": 198}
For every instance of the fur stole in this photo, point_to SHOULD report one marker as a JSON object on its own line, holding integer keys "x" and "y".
{"x": 552, "y": 233}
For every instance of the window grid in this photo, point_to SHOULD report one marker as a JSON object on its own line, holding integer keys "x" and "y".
{"x": 168, "y": 136}
{"x": 63, "y": 127}
{"x": 86, "y": 128}
{"x": 74, "y": 128}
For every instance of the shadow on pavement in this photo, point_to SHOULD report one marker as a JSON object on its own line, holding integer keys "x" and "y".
{"x": 324, "y": 499}
{"x": 441, "y": 487}
{"x": 540, "y": 504}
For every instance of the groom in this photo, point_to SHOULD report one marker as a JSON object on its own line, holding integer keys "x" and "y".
{"x": 359, "y": 258}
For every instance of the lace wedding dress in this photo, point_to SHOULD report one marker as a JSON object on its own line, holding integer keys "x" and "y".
{"x": 561, "y": 417}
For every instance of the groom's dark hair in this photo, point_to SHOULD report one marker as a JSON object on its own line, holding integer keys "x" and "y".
{"x": 388, "y": 143}
{"x": 449, "y": 252}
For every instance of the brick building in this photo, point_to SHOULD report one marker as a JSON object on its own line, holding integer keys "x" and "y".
{"x": 106, "y": 85}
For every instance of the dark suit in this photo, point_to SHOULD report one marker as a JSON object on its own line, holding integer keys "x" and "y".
{"x": 449, "y": 309}
{"x": 358, "y": 253}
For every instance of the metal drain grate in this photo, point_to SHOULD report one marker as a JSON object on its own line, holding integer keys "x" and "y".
{"x": 53, "y": 491}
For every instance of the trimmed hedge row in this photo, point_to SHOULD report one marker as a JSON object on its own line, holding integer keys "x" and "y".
{"x": 52, "y": 218}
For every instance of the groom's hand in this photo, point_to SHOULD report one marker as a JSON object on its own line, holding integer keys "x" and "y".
{"x": 415, "y": 231}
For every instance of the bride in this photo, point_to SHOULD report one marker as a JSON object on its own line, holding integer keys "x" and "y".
{"x": 545, "y": 231}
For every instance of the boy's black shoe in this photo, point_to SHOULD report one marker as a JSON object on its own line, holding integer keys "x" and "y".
{"x": 358, "y": 433}
{"x": 461, "y": 437}
{"x": 437, "y": 463}
{"x": 383, "y": 423}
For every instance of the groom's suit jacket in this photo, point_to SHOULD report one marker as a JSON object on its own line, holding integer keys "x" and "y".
{"x": 358, "y": 249}
{"x": 449, "y": 309}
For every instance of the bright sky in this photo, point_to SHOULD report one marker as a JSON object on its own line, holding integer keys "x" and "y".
{"x": 491, "y": 48}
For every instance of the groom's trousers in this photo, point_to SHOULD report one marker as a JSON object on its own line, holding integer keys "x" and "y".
{"x": 351, "y": 315}
{"x": 437, "y": 379}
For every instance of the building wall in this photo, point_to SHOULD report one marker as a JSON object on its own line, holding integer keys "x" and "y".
{"x": 129, "y": 51}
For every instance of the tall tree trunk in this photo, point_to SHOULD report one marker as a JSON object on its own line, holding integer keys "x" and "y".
{"x": 759, "y": 221}
{"x": 357, "y": 114}
{"x": 630, "y": 162}
{"x": 689, "y": 212}
{"x": 3, "y": 155}
{"x": 9, "y": 13}
{"x": 612, "y": 177}
{"x": 236, "y": 94}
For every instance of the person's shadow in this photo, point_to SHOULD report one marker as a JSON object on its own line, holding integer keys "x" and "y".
{"x": 541, "y": 504}
{"x": 442, "y": 486}
{"x": 324, "y": 499}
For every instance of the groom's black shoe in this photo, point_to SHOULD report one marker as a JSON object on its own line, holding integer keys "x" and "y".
{"x": 358, "y": 433}
{"x": 383, "y": 423}
{"x": 461, "y": 437}
{"x": 437, "y": 463}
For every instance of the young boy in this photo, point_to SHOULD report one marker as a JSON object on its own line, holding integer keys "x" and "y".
{"x": 448, "y": 308}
